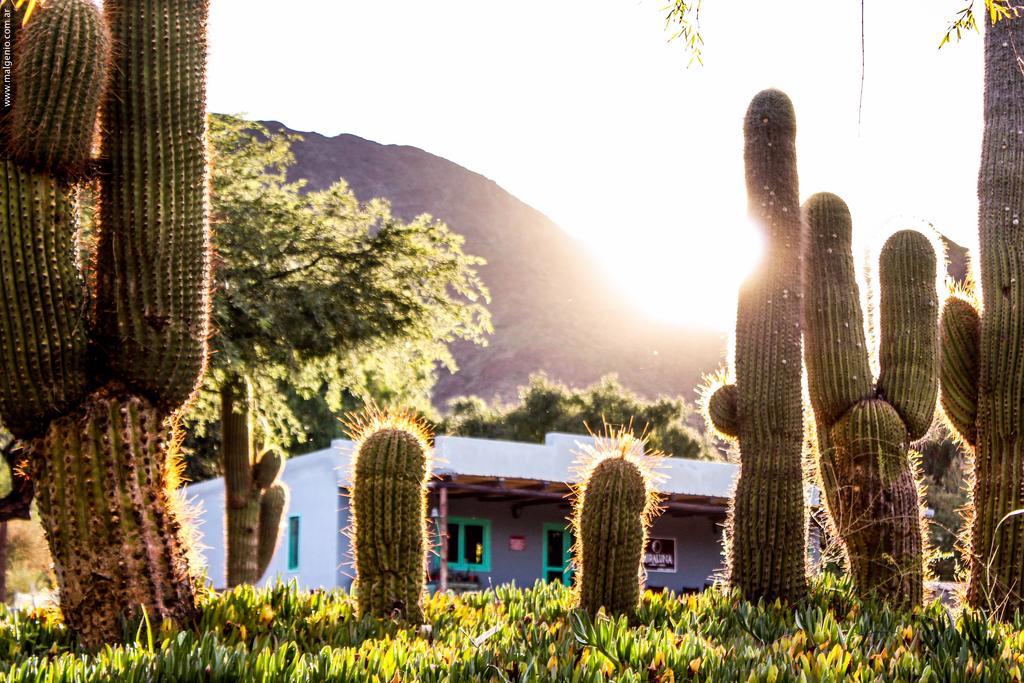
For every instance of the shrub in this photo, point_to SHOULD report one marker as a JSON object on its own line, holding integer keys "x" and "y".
{"x": 512, "y": 634}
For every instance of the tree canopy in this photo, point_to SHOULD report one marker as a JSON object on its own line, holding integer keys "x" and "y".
{"x": 548, "y": 406}
{"x": 319, "y": 296}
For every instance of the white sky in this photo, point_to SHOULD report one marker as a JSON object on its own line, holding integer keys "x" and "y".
{"x": 585, "y": 111}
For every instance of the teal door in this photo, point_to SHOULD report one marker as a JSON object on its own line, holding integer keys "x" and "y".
{"x": 556, "y": 553}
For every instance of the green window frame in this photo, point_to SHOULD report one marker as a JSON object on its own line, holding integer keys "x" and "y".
{"x": 566, "y": 568}
{"x": 460, "y": 534}
{"x": 294, "y": 530}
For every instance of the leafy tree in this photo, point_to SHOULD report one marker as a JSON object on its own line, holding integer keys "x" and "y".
{"x": 944, "y": 470}
{"x": 547, "y": 406}
{"x": 317, "y": 295}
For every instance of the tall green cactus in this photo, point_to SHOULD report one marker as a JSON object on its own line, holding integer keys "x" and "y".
{"x": 864, "y": 428}
{"x": 983, "y": 350}
{"x": 93, "y": 390}
{"x": 611, "y": 515}
{"x": 764, "y": 408}
{"x": 256, "y": 500}
{"x": 389, "y": 516}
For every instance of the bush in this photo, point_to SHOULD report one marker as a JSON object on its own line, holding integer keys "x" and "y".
{"x": 512, "y": 634}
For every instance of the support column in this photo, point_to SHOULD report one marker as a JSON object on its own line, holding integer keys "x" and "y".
{"x": 442, "y": 523}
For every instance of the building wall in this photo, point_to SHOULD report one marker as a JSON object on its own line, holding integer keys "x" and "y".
{"x": 698, "y": 543}
{"x": 317, "y": 482}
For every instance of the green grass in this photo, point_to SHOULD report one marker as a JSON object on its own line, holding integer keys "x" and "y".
{"x": 512, "y": 634}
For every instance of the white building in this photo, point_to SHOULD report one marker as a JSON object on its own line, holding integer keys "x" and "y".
{"x": 505, "y": 508}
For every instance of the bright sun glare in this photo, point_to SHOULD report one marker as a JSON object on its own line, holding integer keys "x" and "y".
{"x": 683, "y": 279}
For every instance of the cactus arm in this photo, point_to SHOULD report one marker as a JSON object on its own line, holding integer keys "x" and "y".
{"x": 42, "y": 324}
{"x": 909, "y": 308}
{"x": 51, "y": 129}
{"x": 153, "y": 248}
{"x": 835, "y": 349}
{"x": 268, "y": 469}
{"x": 960, "y": 334}
{"x": 723, "y": 411}
{"x": 47, "y": 134}
{"x": 273, "y": 503}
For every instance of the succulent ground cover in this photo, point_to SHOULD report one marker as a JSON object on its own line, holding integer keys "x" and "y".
{"x": 533, "y": 634}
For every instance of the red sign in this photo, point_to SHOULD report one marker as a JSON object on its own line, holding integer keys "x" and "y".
{"x": 517, "y": 543}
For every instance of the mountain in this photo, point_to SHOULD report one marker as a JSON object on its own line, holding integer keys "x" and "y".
{"x": 552, "y": 307}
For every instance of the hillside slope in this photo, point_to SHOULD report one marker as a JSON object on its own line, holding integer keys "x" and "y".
{"x": 553, "y": 309}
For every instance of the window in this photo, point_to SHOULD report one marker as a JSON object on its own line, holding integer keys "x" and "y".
{"x": 469, "y": 544}
{"x": 293, "y": 543}
{"x": 556, "y": 554}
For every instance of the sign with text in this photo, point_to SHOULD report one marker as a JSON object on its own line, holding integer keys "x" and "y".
{"x": 8, "y": 25}
{"x": 517, "y": 543}
{"x": 660, "y": 555}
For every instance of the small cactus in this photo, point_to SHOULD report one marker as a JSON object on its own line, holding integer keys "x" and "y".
{"x": 864, "y": 428}
{"x": 763, "y": 410}
{"x": 389, "y": 514}
{"x": 612, "y": 513}
{"x": 255, "y": 500}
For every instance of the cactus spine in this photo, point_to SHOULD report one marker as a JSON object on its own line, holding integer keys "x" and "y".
{"x": 982, "y": 350}
{"x": 611, "y": 515}
{"x": 93, "y": 397}
{"x": 256, "y": 500}
{"x": 864, "y": 429}
{"x": 389, "y": 508}
{"x": 764, "y": 408}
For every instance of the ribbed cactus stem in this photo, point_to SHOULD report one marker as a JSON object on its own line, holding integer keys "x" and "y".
{"x": 611, "y": 531}
{"x": 273, "y": 503}
{"x": 42, "y": 316}
{"x": 864, "y": 430}
{"x": 996, "y": 560}
{"x": 389, "y": 499}
{"x": 961, "y": 346}
{"x": 52, "y": 129}
{"x": 243, "y": 502}
{"x": 724, "y": 411}
{"x": 836, "y": 352}
{"x": 153, "y": 251}
{"x": 104, "y": 478}
{"x": 878, "y": 511}
{"x": 768, "y": 519}
{"x": 255, "y": 502}
{"x": 268, "y": 469}
{"x": 908, "y": 348}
